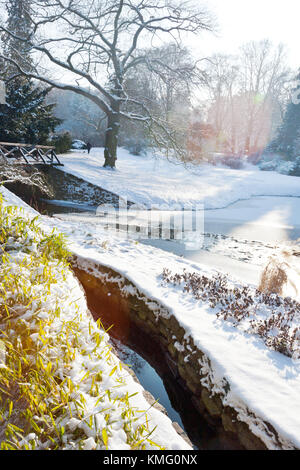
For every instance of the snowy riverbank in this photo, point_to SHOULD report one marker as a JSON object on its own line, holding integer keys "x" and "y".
{"x": 75, "y": 392}
{"x": 261, "y": 380}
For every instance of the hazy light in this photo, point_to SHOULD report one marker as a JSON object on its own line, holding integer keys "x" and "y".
{"x": 241, "y": 21}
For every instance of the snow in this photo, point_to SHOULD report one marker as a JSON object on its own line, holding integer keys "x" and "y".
{"x": 93, "y": 356}
{"x": 261, "y": 380}
{"x": 78, "y": 144}
{"x": 156, "y": 181}
{"x": 236, "y": 240}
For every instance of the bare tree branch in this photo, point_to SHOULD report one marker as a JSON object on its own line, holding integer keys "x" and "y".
{"x": 99, "y": 42}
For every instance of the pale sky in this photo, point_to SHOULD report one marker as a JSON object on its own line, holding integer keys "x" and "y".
{"x": 245, "y": 20}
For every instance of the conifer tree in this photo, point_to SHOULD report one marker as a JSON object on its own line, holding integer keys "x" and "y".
{"x": 25, "y": 117}
{"x": 286, "y": 142}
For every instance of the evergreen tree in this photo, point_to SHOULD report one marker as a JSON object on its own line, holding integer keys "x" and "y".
{"x": 286, "y": 142}
{"x": 19, "y": 22}
{"x": 296, "y": 152}
{"x": 25, "y": 117}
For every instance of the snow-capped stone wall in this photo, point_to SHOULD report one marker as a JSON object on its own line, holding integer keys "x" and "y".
{"x": 186, "y": 361}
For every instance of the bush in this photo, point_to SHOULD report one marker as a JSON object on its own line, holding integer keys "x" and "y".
{"x": 286, "y": 168}
{"x": 277, "y": 163}
{"x": 62, "y": 142}
{"x": 236, "y": 162}
{"x": 268, "y": 166}
{"x": 79, "y": 145}
{"x": 265, "y": 314}
{"x": 136, "y": 145}
{"x": 296, "y": 169}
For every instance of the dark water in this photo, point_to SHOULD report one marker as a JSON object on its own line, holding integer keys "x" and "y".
{"x": 148, "y": 377}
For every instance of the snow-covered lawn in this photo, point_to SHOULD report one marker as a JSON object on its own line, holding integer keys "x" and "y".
{"x": 157, "y": 181}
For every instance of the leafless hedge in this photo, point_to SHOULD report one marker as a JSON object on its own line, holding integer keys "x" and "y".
{"x": 275, "y": 319}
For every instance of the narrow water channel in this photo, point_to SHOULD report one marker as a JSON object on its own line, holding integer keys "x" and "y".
{"x": 147, "y": 376}
{"x": 148, "y": 361}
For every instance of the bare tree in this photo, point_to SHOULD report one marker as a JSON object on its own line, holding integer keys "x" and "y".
{"x": 97, "y": 43}
{"x": 262, "y": 78}
{"x": 247, "y": 93}
{"x": 222, "y": 74}
{"x": 166, "y": 85}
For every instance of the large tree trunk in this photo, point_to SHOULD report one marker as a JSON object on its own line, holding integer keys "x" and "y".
{"x": 111, "y": 137}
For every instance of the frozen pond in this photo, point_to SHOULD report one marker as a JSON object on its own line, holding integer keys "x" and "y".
{"x": 235, "y": 240}
{"x": 263, "y": 218}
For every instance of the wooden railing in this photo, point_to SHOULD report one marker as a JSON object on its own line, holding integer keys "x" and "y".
{"x": 31, "y": 154}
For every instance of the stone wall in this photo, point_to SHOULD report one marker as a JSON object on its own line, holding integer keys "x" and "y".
{"x": 113, "y": 293}
{"x": 151, "y": 400}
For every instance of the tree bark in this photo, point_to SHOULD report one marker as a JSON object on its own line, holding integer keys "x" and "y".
{"x": 111, "y": 137}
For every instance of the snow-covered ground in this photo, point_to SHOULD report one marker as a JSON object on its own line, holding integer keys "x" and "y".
{"x": 103, "y": 416}
{"x": 241, "y": 228}
{"x": 261, "y": 380}
{"x": 155, "y": 181}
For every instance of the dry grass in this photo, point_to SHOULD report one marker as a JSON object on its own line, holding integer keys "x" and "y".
{"x": 281, "y": 276}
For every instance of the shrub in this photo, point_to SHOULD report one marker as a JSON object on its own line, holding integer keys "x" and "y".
{"x": 286, "y": 168}
{"x": 136, "y": 145}
{"x": 236, "y": 162}
{"x": 296, "y": 169}
{"x": 273, "y": 318}
{"x": 62, "y": 142}
{"x": 269, "y": 162}
{"x": 277, "y": 163}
